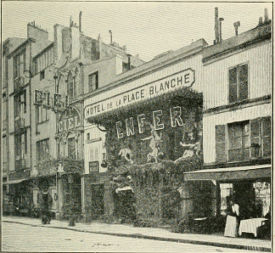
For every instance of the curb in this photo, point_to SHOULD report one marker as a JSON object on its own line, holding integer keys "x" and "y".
{"x": 157, "y": 238}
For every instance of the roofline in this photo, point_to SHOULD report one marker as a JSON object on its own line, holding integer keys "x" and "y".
{"x": 43, "y": 50}
{"x": 22, "y": 44}
{"x": 160, "y": 65}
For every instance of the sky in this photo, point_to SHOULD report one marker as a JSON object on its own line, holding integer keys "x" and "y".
{"x": 146, "y": 28}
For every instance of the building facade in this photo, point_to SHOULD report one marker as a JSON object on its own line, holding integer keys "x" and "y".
{"x": 146, "y": 126}
{"x": 237, "y": 76}
{"x": 45, "y": 82}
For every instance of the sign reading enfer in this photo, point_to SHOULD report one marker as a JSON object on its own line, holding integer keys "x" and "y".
{"x": 184, "y": 78}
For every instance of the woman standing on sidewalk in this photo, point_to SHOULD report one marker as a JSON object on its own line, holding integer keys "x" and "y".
{"x": 232, "y": 219}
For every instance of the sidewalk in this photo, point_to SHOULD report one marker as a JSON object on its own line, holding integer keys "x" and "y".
{"x": 149, "y": 233}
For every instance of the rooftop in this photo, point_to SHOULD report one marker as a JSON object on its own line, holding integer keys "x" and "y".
{"x": 257, "y": 34}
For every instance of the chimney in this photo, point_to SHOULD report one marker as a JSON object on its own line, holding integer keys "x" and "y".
{"x": 111, "y": 37}
{"x": 260, "y": 20}
{"x": 129, "y": 62}
{"x": 236, "y": 26}
{"x": 220, "y": 29}
{"x": 80, "y": 25}
{"x": 216, "y": 26}
{"x": 265, "y": 16}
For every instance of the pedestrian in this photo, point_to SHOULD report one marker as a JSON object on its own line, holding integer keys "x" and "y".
{"x": 232, "y": 219}
{"x": 45, "y": 202}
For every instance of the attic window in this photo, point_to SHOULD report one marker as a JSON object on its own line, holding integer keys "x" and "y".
{"x": 42, "y": 74}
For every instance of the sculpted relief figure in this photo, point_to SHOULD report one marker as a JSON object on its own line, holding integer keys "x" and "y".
{"x": 126, "y": 153}
{"x": 155, "y": 141}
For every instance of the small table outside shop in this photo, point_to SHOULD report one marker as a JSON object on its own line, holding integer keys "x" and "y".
{"x": 251, "y": 226}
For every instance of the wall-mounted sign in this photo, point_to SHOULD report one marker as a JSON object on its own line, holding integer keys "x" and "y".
{"x": 185, "y": 78}
{"x": 137, "y": 124}
{"x": 69, "y": 120}
{"x": 93, "y": 166}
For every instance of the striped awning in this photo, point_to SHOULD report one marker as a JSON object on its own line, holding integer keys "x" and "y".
{"x": 230, "y": 174}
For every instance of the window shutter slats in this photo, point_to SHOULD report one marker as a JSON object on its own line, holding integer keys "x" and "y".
{"x": 266, "y": 136}
{"x": 220, "y": 143}
{"x": 255, "y": 128}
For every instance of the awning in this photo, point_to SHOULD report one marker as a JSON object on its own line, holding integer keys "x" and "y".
{"x": 230, "y": 174}
{"x": 14, "y": 181}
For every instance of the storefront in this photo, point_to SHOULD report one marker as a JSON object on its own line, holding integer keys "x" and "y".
{"x": 153, "y": 133}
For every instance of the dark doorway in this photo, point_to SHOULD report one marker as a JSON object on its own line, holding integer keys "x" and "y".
{"x": 97, "y": 202}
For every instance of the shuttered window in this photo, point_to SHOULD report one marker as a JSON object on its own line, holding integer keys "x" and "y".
{"x": 238, "y": 141}
{"x": 220, "y": 143}
{"x": 238, "y": 83}
{"x": 266, "y": 136}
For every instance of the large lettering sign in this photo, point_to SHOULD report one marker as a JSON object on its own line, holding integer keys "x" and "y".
{"x": 127, "y": 128}
{"x": 184, "y": 78}
{"x": 69, "y": 120}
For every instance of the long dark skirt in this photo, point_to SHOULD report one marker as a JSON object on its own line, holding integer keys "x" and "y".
{"x": 45, "y": 216}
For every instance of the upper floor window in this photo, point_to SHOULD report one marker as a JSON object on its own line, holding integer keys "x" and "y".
{"x": 238, "y": 140}
{"x": 238, "y": 83}
{"x": 44, "y": 60}
{"x": 41, "y": 114}
{"x": 72, "y": 148}
{"x": 42, "y": 150}
{"x": 20, "y": 146}
{"x": 20, "y": 104}
{"x": 245, "y": 140}
{"x": 93, "y": 81}
{"x": 19, "y": 64}
{"x": 71, "y": 86}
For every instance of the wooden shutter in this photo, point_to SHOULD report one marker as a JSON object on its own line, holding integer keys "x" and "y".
{"x": 255, "y": 128}
{"x": 243, "y": 82}
{"x": 266, "y": 136}
{"x": 233, "y": 91}
{"x": 220, "y": 143}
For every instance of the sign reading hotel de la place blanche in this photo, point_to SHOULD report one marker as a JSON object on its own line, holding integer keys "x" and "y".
{"x": 184, "y": 78}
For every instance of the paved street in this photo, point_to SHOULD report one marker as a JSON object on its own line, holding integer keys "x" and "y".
{"x": 18, "y": 237}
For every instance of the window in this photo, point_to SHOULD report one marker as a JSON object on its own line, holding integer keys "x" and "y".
{"x": 238, "y": 83}
{"x": 42, "y": 75}
{"x": 42, "y": 61}
{"x": 19, "y": 64}
{"x": 20, "y": 146}
{"x": 20, "y": 104}
{"x": 239, "y": 143}
{"x": 71, "y": 148}
{"x": 42, "y": 150}
{"x": 4, "y": 112}
{"x": 88, "y": 136}
{"x": 71, "y": 86}
{"x": 93, "y": 81}
{"x": 41, "y": 114}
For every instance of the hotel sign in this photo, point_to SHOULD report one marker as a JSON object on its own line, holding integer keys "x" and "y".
{"x": 184, "y": 78}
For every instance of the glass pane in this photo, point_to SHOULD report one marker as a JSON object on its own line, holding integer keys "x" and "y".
{"x": 255, "y": 128}
{"x": 246, "y": 155}
{"x": 246, "y": 142}
{"x": 235, "y": 155}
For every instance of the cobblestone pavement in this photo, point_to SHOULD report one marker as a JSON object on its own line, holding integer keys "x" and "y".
{"x": 26, "y": 238}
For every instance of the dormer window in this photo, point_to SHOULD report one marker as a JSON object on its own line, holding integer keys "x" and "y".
{"x": 93, "y": 81}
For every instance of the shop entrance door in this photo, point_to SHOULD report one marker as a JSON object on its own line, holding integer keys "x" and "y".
{"x": 97, "y": 203}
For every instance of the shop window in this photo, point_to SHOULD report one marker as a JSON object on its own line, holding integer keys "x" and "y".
{"x": 42, "y": 149}
{"x": 239, "y": 143}
{"x": 72, "y": 148}
{"x": 93, "y": 81}
{"x": 238, "y": 83}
